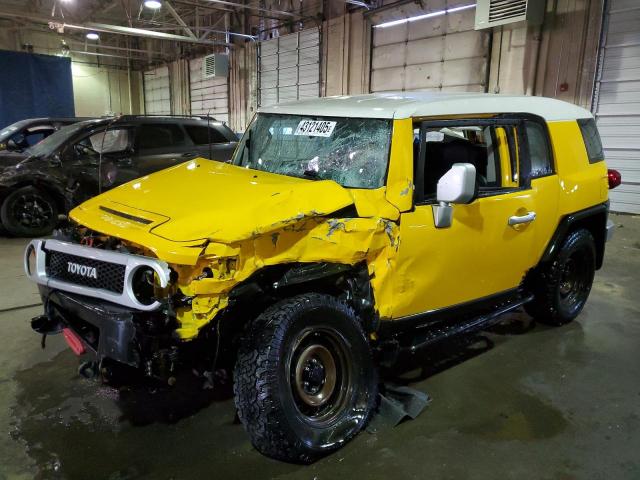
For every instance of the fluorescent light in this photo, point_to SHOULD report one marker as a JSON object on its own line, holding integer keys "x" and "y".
{"x": 93, "y": 36}
{"x": 422, "y": 17}
{"x": 152, "y": 4}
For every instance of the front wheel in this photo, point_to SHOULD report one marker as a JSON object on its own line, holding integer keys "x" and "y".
{"x": 562, "y": 287}
{"x": 304, "y": 380}
{"x": 29, "y": 212}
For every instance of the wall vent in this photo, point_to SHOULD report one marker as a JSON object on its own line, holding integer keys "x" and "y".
{"x": 492, "y": 13}
{"x": 215, "y": 65}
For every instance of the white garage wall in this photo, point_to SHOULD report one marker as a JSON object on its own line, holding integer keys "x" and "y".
{"x": 439, "y": 53}
{"x": 100, "y": 91}
{"x": 157, "y": 91}
{"x": 289, "y": 67}
{"x": 617, "y": 106}
{"x": 208, "y": 95}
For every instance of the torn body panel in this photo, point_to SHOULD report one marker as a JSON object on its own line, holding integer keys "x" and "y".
{"x": 344, "y": 241}
{"x": 265, "y": 220}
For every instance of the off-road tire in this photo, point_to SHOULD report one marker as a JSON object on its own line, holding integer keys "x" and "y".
{"x": 17, "y": 226}
{"x": 268, "y": 395}
{"x": 559, "y": 299}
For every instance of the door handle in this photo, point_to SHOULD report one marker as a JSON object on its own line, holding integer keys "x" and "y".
{"x": 519, "y": 219}
{"x": 188, "y": 155}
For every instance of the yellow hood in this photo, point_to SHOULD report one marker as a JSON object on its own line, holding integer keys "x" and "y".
{"x": 204, "y": 199}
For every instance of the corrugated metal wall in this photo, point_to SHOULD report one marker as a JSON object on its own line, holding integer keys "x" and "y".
{"x": 443, "y": 52}
{"x": 617, "y": 105}
{"x": 289, "y": 67}
{"x": 208, "y": 95}
{"x": 157, "y": 91}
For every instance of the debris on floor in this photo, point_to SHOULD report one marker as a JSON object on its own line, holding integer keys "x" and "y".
{"x": 397, "y": 403}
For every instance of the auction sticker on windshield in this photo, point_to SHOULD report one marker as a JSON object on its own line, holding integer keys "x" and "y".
{"x": 315, "y": 128}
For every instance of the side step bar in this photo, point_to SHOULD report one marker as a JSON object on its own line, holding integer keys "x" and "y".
{"x": 437, "y": 334}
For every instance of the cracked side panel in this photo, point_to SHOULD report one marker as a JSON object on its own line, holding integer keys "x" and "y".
{"x": 340, "y": 241}
{"x": 400, "y": 176}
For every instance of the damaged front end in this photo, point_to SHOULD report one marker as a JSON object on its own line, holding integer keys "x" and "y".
{"x": 136, "y": 289}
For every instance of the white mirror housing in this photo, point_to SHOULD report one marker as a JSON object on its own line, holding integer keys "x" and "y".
{"x": 458, "y": 185}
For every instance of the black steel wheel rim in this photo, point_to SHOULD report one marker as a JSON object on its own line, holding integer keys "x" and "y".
{"x": 32, "y": 211}
{"x": 574, "y": 282}
{"x": 319, "y": 375}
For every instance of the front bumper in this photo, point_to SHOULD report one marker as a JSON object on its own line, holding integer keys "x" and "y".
{"x": 109, "y": 331}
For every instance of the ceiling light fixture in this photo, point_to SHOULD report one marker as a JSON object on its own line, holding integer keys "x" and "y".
{"x": 93, "y": 36}
{"x": 152, "y": 4}
{"x": 422, "y": 17}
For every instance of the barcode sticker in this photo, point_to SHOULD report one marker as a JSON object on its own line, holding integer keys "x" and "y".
{"x": 315, "y": 128}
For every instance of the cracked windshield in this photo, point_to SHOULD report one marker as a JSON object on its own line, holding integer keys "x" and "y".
{"x": 353, "y": 152}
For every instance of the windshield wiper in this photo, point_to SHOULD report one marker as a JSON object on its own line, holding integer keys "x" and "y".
{"x": 313, "y": 175}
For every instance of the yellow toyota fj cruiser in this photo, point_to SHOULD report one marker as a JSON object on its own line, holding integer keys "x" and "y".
{"x": 345, "y": 229}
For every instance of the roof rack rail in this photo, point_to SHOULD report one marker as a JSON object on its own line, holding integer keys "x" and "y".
{"x": 196, "y": 117}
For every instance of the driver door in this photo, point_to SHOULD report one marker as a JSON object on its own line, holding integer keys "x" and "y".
{"x": 99, "y": 161}
{"x": 482, "y": 254}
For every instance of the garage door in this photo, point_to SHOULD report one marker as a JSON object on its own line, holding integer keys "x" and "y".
{"x": 617, "y": 100}
{"x": 208, "y": 95}
{"x": 439, "y": 52}
{"x": 157, "y": 92}
{"x": 289, "y": 67}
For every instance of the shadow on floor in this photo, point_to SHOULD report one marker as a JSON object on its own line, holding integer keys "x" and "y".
{"x": 416, "y": 367}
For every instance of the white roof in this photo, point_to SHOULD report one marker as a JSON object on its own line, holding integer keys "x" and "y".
{"x": 426, "y": 104}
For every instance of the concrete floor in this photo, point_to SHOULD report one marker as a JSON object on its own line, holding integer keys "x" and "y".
{"x": 522, "y": 401}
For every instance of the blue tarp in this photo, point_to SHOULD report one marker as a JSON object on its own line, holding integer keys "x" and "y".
{"x": 33, "y": 85}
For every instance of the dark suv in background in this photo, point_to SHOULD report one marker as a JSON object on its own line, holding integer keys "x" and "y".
{"x": 89, "y": 157}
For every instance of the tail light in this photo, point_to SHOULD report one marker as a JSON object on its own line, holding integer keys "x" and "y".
{"x": 614, "y": 178}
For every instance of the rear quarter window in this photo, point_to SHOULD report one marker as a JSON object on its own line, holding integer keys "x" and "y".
{"x": 202, "y": 135}
{"x": 591, "y": 139}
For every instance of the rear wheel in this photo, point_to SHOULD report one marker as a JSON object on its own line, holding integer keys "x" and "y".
{"x": 562, "y": 287}
{"x": 304, "y": 381}
{"x": 29, "y": 212}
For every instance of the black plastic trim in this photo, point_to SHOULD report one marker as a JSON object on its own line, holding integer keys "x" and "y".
{"x": 453, "y": 314}
{"x": 570, "y": 220}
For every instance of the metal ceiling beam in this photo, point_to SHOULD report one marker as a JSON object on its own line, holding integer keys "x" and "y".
{"x": 178, "y": 19}
{"x": 110, "y": 55}
{"x": 207, "y": 31}
{"x": 239, "y": 5}
{"x": 116, "y": 29}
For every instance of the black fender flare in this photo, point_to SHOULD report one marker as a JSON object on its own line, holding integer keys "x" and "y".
{"x": 593, "y": 219}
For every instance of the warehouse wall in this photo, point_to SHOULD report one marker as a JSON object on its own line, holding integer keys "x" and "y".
{"x": 345, "y": 55}
{"x": 556, "y": 60}
{"x": 101, "y": 86}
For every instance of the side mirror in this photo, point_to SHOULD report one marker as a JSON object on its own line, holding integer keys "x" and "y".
{"x": 12, "y": 145}
{"x": 458, "y": 185}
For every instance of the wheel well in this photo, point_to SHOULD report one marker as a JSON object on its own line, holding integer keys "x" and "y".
{"x": 350, "y": 283}
{"x": 596, "y": 225}
{"x": 593, "y": 219}
{"x": 55, "y": 193}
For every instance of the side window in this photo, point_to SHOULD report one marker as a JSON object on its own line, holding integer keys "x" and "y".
{"x": 487, "y": 147}
{"x": 113, "y": 140}
{"x": 160, "y": 135}
{"x": 202, "y": 135}
{"x": 31, "y": 136}
{"x": 539, "y": 150}
{"x": 591, "y": 139}
{"x": 110, "y": 141}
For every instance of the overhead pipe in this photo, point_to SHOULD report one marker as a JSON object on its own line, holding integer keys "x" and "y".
{"x": 116, "y": 29}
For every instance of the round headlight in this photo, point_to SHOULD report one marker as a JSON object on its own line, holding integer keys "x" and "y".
{"x": 31, "y": 260}
{"x": 143, "y": 285}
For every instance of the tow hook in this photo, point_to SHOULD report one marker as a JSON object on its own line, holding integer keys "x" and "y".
{"x": 88, "y": 370}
